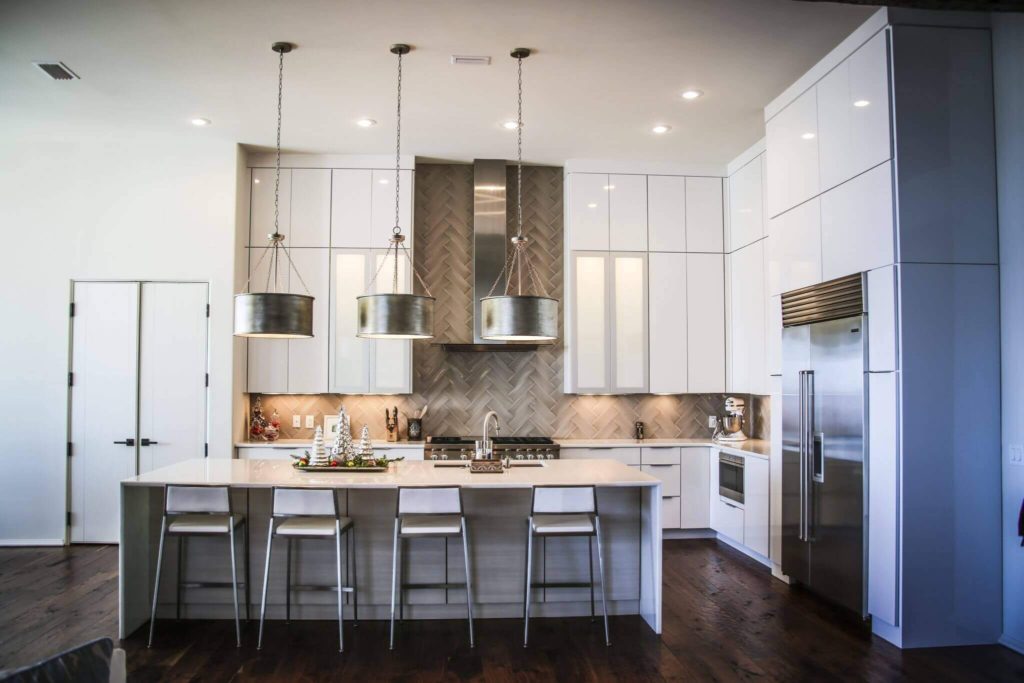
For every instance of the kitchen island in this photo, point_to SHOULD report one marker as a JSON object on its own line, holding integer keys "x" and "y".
{"x": 496, "y": 506}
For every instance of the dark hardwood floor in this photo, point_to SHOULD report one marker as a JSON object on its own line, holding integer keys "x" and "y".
{"x": 725, "y": 619}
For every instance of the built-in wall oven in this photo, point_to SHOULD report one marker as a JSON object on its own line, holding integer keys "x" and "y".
{"x": 730, "y": 477}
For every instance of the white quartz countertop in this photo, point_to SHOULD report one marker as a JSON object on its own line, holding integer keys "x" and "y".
{"x": 306, "y": 443}
{"x": 266, "y": 473}
{"x": 757, "y": 447}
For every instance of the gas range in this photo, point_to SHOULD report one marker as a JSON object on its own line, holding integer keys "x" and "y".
{"x": 514, "y": 447}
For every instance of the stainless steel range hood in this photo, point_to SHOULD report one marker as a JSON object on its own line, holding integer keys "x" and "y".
{"x": 490, "y": 245}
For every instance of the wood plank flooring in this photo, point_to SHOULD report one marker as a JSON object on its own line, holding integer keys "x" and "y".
{"x": 725, "y": 619}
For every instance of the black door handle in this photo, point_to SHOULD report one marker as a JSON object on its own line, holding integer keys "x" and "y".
{"x": 126, "y": 442}
{"x": 147, "y": 442}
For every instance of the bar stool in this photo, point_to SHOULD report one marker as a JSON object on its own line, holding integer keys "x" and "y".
{"x": 429, "y": 511}
{"x": 200, "y": 510}
{"x": 302, "y": 513}
{"x": 565, "y": 511}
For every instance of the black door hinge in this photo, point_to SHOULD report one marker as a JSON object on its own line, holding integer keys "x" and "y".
{"x": 207, "y": 310}
{"x": 72, "y": 309}
{"x": 69, "y": 449}
{"x": 71, "y": 379}
{"x": 206, "y": 450}
{"x": 207, "y": 380}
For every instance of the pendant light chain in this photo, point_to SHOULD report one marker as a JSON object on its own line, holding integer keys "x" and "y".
{"x": 519, "y": 149}
{"x": 398, "y": 143}
{"x": 277, "y": 159}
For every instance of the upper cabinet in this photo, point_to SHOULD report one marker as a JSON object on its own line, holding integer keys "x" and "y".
{"x": 792, "y": 139}
{"x": 794, "y": 248}
{"x": 853, "y": 114}
{"x": 587, "y": 211}
{"x": 351, "y": 208}
{"x": 382, "y": 219}
{"x": 704, "y": 215}
{"x": 667, "y": 273}
{"x": 705, "y": 313}
{"x": 627, "y": 212}
{"x": 857, "y": 224}
{"x": 747, "y": 321}
{"x": 746, "y": 205}
{"x": 261, "y": 207}
{"x": 310, "y": 223}
{"x": 666, "y": 213}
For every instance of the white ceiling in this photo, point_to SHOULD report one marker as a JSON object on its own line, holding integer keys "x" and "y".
{"x": 603, "y": 72}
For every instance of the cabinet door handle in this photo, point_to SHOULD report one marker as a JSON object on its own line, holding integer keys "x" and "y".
{"x": 126, "y": 442}
{"x": 147, "y": 442}
{"x": 660, "y": 464}
{"x": 735, "y": 507}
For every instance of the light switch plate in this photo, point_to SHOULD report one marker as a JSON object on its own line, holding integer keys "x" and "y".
{"x": 310, "y": 424}
{"x": 296, "y": 421}
{"x": 712, "y": 421}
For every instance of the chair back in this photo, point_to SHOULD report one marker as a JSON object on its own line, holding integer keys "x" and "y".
{"x": 290, "y": 502}
{"x": 430, "y": 500}
{"x": 554, "y": 500}
{"x": 208, "y": 499}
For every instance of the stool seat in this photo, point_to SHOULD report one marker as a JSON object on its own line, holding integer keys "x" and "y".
{"x": 311, "y": 526}
{"x": 431, "y": 524}
{"x": 563, "y": 524}
{"x": 202, "y": 524}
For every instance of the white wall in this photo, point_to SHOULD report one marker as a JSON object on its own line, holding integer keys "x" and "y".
{"x": 1008, "y": 54}
{"x": 85, "y": 204}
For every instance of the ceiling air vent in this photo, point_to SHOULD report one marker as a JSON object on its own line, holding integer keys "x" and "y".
{"x": 471, "y": 60}
{"x": 58, "y": 71}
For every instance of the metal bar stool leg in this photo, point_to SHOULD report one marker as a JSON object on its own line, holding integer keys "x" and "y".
{"x": 234, "y": 581}
{"x": 394, "y": 582}
{"x": 180, "y": 572}
{"x": 341, "y": 593}
{"x": 288, "y": 584}
{"x": 266, "y": 580}
{"x": 355, "y": 577}
{"x": 469, "y": 585}
{"x": 248, "y": 576}
{"x": 529, "y": 574}
{"x": 526, "y": 571}
{"x": 604, "y": 591}
{"x": 590, "y": 557}
{"x": 156, "y": 587}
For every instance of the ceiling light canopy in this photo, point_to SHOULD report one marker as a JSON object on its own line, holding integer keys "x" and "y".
{"x": 273, "y": 314}
{"x": 396, "y": 315}
{"x": 692, "y": 94}
{"x": 519, "y": 317}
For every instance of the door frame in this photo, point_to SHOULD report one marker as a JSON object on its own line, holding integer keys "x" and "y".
{"x": 138, "y": 359}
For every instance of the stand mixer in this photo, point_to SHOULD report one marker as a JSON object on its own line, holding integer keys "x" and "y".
{"x": 730, "y": 427}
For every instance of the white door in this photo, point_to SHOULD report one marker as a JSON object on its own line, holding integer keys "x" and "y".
{"x": 105, "y": 342}
{"x": 172, "y": 373}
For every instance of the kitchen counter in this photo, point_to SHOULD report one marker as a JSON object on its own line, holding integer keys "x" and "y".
{"x": 757, "y": 447}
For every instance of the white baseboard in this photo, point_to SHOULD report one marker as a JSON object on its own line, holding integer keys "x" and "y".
{"x": 777, "y": 573}
{"x": 1012, "y": 643}
{"x": 681, "y": 534}
{"x": 23, "y": 542}
{"x": 745, "y": 550}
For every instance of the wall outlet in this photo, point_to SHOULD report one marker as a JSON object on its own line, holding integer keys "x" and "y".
{"x": 1016, "y": 454}
{"x": 296, "y": 421}
{"x": 310, "y": 424}
{"x": 712, "y": 421}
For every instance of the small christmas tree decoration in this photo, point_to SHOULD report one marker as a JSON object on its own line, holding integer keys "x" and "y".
{"x": 342, "y": 449}
{"x": 365, "y": 449}
{"x": 319, "y": 457}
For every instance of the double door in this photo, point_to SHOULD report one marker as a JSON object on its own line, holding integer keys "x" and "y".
{"x": 138, "y": 391}
{"x": 823, "y": 459}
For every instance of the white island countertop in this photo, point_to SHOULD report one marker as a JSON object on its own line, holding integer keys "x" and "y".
{"x": 267, "y": 473}
{"x": 757, "y": 447}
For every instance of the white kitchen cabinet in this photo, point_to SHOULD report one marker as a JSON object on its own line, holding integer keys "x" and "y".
{"x": 627, "y": 455}
{"x": 351, "y": 208}
{"x": 668, "y": 347}
{"x": 627, "y": 212}
{"x": 792, "y": 154}
{"x": 267, "y": 358}
{"x": 588, "y": 353}
{"x": 794, "y": 246}
{"x": 746, "y": 210}
{"x": 705, "y": 314}
{"x": 670, "y": 505}
{"x": 853, "y": 114}
{"x": 382, "y": 219}
{"x": 587, "y": 212}
{"x": 310, "y": 222}
{"x": 694, "y": 491}
{"x": 629, "y": 322}
{"x": 363, "y": 366}
{"x": 727, "y": 519}
{"x": 705, "y": 227}
{"x": 268, "y": 453}
{"x": 307, "y": 358}
{"x": 670, "y": 513}
{"x": 773, "y": 335}
{"x": 666, "y": 213}
{"x": 882, "y": 329}
{"x": 261, "y": 206}
{"x": 661, "y": 456}
{"x": 883, "y": 503}
{"x": 857, "y": 224}
{"x": 756, "y": 504}
{"x": 775, "y": 475}
{"x": 747, "y": 323}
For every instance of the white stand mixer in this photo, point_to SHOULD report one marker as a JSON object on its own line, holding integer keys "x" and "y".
{"x": 730, "y": 427}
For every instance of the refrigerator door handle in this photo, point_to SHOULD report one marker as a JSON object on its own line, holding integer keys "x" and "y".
{"x": 819, "y": 458}
{"x": 805, "y": 475}
{"x": 802, "y": 386}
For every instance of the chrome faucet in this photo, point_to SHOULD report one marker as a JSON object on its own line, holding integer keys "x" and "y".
{"x": 485, "y": 448}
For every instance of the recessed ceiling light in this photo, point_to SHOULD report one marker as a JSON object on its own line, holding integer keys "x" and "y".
{"x": 861, "y": 103}
{"x": 609, "y": 187}
{"x": 661, "y": 129}
{"x": 692, "y": 94}
{"x": 383, "y": 181}
{"x": 510, "y": 125}
{"x": 366, "y": 123}
{"x": 256, "y": 180}
{"x": 808, "y": 136}
{"x": 200, "y": 122}
{"x": 591, "y": 205}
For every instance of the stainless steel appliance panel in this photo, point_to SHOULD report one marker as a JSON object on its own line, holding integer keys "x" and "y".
{"x": 730, "y": 477}
{"x": 796, "y": 347}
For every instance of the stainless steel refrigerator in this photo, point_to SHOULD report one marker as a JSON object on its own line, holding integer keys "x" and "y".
{"x": 823, "y": 440}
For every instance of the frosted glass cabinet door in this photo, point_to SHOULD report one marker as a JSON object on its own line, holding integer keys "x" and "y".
{"x": 588, "y": 211}
{"x": 590, "y": 341}
{"x": 307, "y": 358}
{"x": 629, "y": 322}
{"x": 349, "y": 355}
{"x": 390, "y": 359}
{"x": 666, "y": 213}
{"x": 351, "y": 202}
{"x": 667, "y": 286}
{"x": 627, "y": 212}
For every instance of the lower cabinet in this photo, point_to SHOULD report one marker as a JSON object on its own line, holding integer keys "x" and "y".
{"x": 663, "y": 463}
{"x": 727, "y": 519}
{"x": 694, "y": 495}
{"x": 755, "y": 505}
{"x": 626, "y": 455}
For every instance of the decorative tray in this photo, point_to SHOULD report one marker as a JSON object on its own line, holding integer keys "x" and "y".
{"x": 339, "y": 468}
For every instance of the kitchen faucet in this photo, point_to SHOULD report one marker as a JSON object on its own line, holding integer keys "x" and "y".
{"x": 485, "y": 448}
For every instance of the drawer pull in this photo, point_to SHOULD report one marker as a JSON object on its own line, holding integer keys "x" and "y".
{"x": 661, "y": 464}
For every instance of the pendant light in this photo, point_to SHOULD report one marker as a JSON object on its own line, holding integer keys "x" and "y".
{"x": 513, "y": 315}
{"x": 272, "y": 314}
{"x": 396, "y": 315}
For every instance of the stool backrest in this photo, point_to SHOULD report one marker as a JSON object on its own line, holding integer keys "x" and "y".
{"x": 564, "y": 500}
{"x": 208, "y": 499}
{"x": 430, "y": 500}
{"x": 305, "y": 502}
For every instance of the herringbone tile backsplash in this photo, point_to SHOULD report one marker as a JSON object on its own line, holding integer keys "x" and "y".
{"x": 524, "y": 388}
